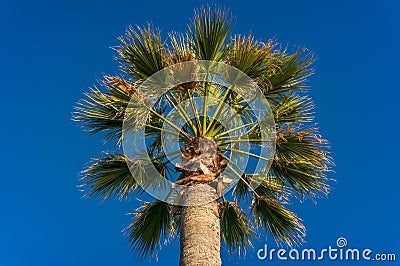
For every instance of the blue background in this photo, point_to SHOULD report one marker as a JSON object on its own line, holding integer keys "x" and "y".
{"x": 52, "y": 51}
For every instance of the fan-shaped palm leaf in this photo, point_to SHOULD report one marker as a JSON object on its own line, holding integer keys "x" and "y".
{"x": 287, "y": 72}
{"x": 302, "y": 159}
{"x": 141, "y": 52}
{"x": 209, "y": 31}
{"x": 108, "y": 176}
{"x": 236, "y": 230}
{"x": 250, "y": 56}
{"x": 269, "y": 186}
{"x": 290, "y": 108}
{"x": 282, "y": 223}
{"x": 104, "y": 111}
{"x": 152, "y": 223}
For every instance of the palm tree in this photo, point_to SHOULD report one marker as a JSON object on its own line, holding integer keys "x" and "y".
{"x": 297, "y": 170}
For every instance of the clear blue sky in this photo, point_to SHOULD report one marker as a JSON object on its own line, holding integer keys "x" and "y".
{"x": 52, "y": 51}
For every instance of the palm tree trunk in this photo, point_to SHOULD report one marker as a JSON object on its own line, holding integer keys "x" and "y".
{"x": 200, "y": 240}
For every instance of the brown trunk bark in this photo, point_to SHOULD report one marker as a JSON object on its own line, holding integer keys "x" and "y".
{"x": 200, "y": 230}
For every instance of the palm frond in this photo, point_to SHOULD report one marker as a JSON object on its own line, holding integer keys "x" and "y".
{"x": 153, "y": 130}
{"x": 209, "y": 31}
{"x": 181, "y": 48}
{"x": 290, "y": 108}
{"x": 152, "y": 223}
{"x": 287, "y": 72}
{"x": 283, "y": 224}
{"x": 268, "y": 186}
{"x": 103, "y": 111}
{"x": 302, "y": 178}
{"x": 302, "y": 160}
{"x": 141, "y": 52}
{"x": 108, "y": 176}
{"x": 272, "y": 187}
{"x": 250, "y": 56}
{"x": 241, "y": 190}
{"x": 236, "y": 230}
{"x": 120, "y": 89}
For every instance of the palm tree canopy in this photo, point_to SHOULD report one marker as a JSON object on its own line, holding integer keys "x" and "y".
{"x": 301, "y": 162}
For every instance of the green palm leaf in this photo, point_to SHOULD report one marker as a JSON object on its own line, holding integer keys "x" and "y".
{"x": 181, "y": 48}
{"x": 152, "y": 223}
{"x": 282, "y": 223}
{"x": 103, "y": 111}
{"x": 241, "y": 190}
{"x": 250, "y": 56}
{"x": 269, "y": 186}
{"x": 141, "y": 52}
{"x": 302, "y": 178}
{"x": 302, "y": 160}
{"x": 286, "y": 73}
{"x": 112, "y": 176}
{"x": 290, "y": 108}
{"x": 236, "y": 230}
{"x": 209, "y": 31}
{"x": 108, "y": 176}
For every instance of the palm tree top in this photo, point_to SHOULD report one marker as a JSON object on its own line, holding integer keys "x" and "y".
{"x": 298, "y": 169}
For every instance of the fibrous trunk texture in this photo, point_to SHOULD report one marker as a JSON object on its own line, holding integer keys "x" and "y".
{"x": 200, "y": 231}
